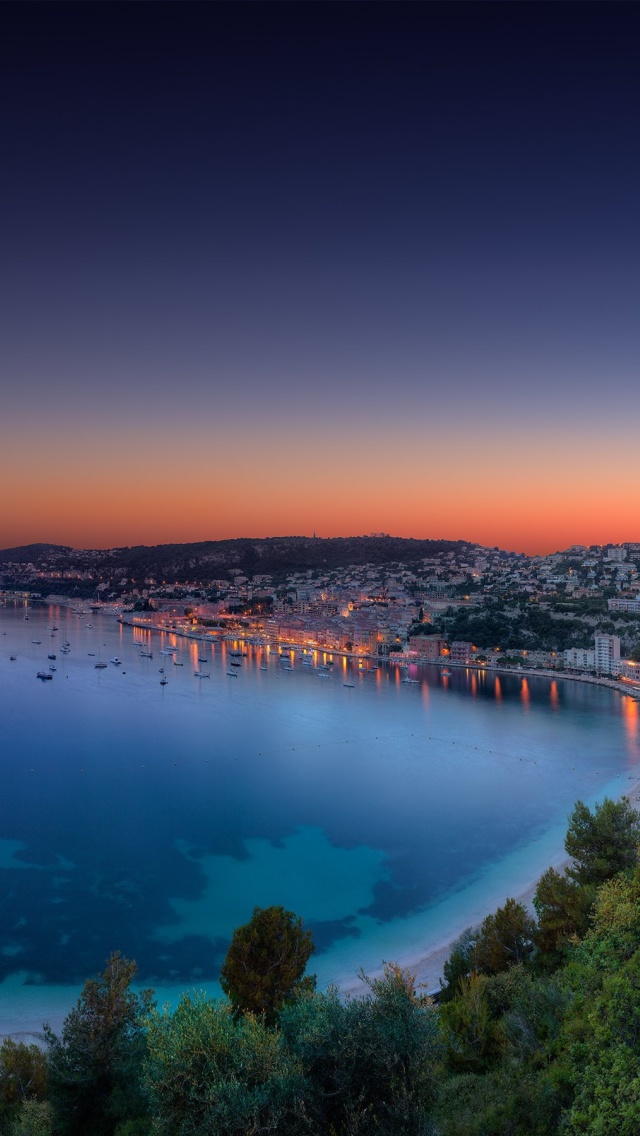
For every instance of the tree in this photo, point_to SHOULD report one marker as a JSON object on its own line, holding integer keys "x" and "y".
{"x": 369, "y": 1061}
{"x": 23, "y": 1077}
{"x": 504, "y": 939}
{"x": 266, "y": 961}
{"x": 473, "y": 1039}
{"x": 604, "y": 842}
{"x": 34, "y": 1119}
{"x": 211, "y": 1072}
{"x": 95, "y": 1066}
{"x": 562, "y": 907}
{"x": 458, "y": 965}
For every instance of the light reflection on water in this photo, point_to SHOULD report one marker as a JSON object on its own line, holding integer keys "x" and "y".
{"x": 151, "y": 819}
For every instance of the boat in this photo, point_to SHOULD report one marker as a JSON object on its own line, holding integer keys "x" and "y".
{"x": 37, "y": 642}
{"x": 235, "y": 664}
{"x": 13, "y": 658}
{"x": 146, "y": 655}
{"x": 51, "y": 656}
{"x": 52, "y": 668}
{"x": 177, "y": 664}
{"x": 322, "y": 674}
{"x": 44, "y": 676}
{"x": 99, "y": 666}
{"x": 232, "y": 674}
{"x": 202, "y": 659}
{"x": 116, "y": 661}
{"x": 201, "y": 674}
{"x": 163, "y": 681}
{"x": 446, "y": 674}
{"x": 235, "y": 654}
{"x": 351, "y": 684}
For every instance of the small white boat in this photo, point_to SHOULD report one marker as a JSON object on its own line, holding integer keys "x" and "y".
{"x": 163, "y": 681}
{"x": 99, "y": 666}
{"x": 177, "y": 664}
{"x": 200, "y": 674}
{"x": 116, "y": 661}
{"x": 350, "y": 684}
{"x": 232, "y": 674}
{"x": 146, "y": 655}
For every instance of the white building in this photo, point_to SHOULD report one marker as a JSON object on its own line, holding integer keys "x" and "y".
{"x": 620, "y": 603}
{"x": 580, "y": 658}
{"x": 616, "y": 553}
{"x": 630, "y": 671}
{"x": 607, "y": 653}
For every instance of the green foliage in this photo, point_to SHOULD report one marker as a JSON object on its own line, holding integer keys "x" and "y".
{"x": 604, "y": 842}
{"x": 507, "y": 1101}
{"x": 23, "y": 1078}
{"x": 562, "y": 907}
{"x": 504, "y": 939}
{"x": 369, "y": 1060}
{"x": 606, "y": 1059}
{"x": 472, "y": 1038}
{"x": 210, "y": 1073}
{"x": 458, "y": 965}
{"x": 94, "y": 1068}
{"x": 35, "y": 1118}
{"x": 530, "y": 627}
{"x": 266, "y": 961}
{"x": 23, "y": 1072}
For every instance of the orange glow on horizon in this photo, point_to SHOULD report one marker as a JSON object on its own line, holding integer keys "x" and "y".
{"x": 126, "y": 493}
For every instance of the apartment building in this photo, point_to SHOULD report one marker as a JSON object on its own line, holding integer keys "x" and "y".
{"x": 580, "y": 658}
{"x": 607, "y": 653}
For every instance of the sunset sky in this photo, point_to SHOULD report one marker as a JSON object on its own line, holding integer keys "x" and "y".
{"x": 274, "y": 269}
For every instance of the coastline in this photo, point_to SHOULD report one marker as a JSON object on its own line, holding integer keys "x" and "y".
{"x": 398, "y": 661}
{"x": 427, "y": 964}
{"x": 425, "y": 954}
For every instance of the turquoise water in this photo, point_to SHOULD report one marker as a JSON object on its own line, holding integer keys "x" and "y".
{"x": 152, "y": 819}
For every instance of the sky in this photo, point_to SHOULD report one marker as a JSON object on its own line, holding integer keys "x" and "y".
{"x": 337, "y": 267}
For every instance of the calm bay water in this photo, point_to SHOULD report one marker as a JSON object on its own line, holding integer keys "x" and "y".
{"x": 153, "y": 819}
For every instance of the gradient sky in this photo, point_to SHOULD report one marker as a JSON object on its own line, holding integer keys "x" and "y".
{"x": 268, "y": 269}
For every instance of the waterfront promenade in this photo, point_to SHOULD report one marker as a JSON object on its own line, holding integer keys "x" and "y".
{"x": 398, "y": 660}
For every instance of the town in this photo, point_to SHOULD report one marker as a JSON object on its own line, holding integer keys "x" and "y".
{"x": 444, "y": 602}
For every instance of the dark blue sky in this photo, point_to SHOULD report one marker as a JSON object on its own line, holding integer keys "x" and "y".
{"x": 388, "y": 225}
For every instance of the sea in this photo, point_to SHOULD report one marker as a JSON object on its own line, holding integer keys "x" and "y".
{"x": 147, "y": 808}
